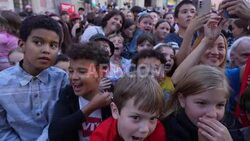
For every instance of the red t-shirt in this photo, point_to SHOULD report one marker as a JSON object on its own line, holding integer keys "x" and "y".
{"x": 107, "y": 131}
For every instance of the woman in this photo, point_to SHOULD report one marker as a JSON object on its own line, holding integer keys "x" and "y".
{"x": 111, "y": 23}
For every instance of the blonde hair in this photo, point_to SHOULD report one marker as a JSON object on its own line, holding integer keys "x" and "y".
{"x": 146, "y": 92}
{"x": 198, "y": 79}
{"x": 198, "y": 41}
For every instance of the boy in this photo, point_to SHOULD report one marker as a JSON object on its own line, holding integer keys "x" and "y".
{"x": 183, "y": 14}
{"x": 145, "y": 41}
{"x": 134, "y": 113}
{"x": 151, "y": 62}
{"x": 30, "y": 88}
{"x": 81, "y": 107}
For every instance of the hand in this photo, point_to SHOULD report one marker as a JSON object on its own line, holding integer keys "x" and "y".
{"x": 236, "y": 7}
{"x": 104, "y": 84}
{"x": 213, "y": 130}
{"x": 197, "y": 22}
{"x": 101, "y": 100}
{"x": 213, "y": 27}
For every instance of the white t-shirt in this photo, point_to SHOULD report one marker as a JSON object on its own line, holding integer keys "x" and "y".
{"x": 89, "y": 32}
{"x": 92, "y": 121}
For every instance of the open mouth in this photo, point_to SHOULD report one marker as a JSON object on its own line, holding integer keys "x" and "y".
{"x": 77, "y": 86}
{"x": 137, "y": 138}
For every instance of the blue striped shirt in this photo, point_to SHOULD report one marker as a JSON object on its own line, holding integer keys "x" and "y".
{"x": 27, "y": 102}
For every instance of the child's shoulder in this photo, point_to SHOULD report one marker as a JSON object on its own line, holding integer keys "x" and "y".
{"x": 56, "y": 71}
{"x": 8, "y": 74}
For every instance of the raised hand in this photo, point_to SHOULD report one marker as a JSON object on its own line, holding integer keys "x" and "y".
{"x": 197, "y": 22}
{"x": 104, "y": 85}
{"x": 237, "y": 7}
{"x": 213, "y": 27}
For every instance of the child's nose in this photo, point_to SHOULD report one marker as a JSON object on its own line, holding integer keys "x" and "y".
{"x": 211, "y": 113}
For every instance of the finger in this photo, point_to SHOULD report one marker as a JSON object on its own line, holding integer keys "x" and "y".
{"x": 205, "y": 134}
{"x": 207, "y": 129}
{"x": 227, "y": 4}
{"x": 214, "y": 124}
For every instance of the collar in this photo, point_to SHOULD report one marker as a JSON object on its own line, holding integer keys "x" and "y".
{"x": 24, "y": 77}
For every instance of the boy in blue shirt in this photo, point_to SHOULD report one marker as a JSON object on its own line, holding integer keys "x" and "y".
{"x": 30, "y": 89}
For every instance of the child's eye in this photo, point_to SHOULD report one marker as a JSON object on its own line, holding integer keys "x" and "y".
{"x": 222, "y": 105}
{"x": 153, "y": 118}
{"x": 54, "y": 46}
{"x": 38, "y": 43}
{"x": 200, "y": 103}
{"x": 136, "y": 118}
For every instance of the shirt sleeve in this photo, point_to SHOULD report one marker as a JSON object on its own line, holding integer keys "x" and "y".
{"x": 6, "y": 131}
{"x": 88, "y": 33}
{"x": 44, "y": 135}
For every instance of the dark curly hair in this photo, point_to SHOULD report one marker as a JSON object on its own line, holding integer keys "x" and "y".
{"x": 40, "y": 21}
{"x": 148, "y": 53}
{"x": 90, "y": 51}
{"x": 112, "y": 14}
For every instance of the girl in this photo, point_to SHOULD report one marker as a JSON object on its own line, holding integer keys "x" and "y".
{"x": 118, "y": 64}
{"x": 111, "y": 23}
{"x": 169, "y": 54}
{"x": 240, "y": 28}
{"x": 196, "y": 109}
{"x": 144, "y": 25}
{"x": 162, "y": 28}
{"x": 9, "y": 28}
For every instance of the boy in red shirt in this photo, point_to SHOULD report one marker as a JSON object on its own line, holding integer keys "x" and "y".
{"x": 137, "y": 104}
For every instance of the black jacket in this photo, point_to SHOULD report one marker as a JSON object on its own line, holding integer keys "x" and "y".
{"x": 68, "y": 118}
{"x": 180, "y": 128}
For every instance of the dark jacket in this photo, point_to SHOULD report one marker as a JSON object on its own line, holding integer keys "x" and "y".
{"x": 68, "y": 118}
{"x": 180, "y": 128}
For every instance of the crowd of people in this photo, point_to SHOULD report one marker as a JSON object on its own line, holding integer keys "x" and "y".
{"x": 126, "y": 74}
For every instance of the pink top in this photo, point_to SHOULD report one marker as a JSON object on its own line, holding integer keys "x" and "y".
{"x": 8, "y": 42}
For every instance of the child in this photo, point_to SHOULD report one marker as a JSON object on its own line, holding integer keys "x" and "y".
{"x": 62, "y": 62}
{"x": 134, "y": 113}
{"x": 183, "y": 14}
{"x": 81, "y": 107}
{"x": 144, "y": 25}
{"x": 145, "y": 41}
{"x": 150, "y": 62}
{"x": 169, "y": 54}
{"x": 30, "y": 89}
{"x": 245, "y": 106}
{"x": 15, "y": 56}
{"x": 196, "y": 110}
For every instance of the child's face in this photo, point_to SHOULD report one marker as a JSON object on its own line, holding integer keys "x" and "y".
{"x": 152, "y": 66}
{"x": 169, "y": 56}
{"x": 118, "y": 42}
{"x": 144, "y": 45}
{"x": 185, "y": 15}
{"x": 15, "y": 57}
{"x": 40, "y": 50}
{"x": 162, "y": 30}
{"x": 155, "y": 17}
{"x": 64, "y": 65}
{"x": 215, "y": 55}
{"x": 146, "y": 24}
{"x": 133, "y": 124}
{"x": 170, "y": 18}
{"x": 84, "y": 77}
{"x": 129, "y": 32}
{"x": 209, "y": 104}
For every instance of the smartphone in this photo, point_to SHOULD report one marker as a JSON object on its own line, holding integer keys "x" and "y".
{"x": 203, "y": 6}
{"x": 226, "y": 14}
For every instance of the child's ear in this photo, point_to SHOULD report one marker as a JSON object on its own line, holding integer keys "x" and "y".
{"x": 181, "y": 100}
{"x": 114, "y": 110}
{"x": 21, "y": 45}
